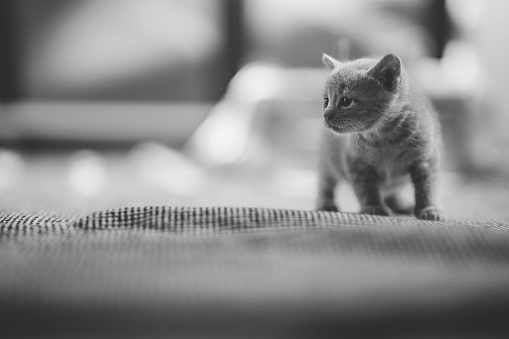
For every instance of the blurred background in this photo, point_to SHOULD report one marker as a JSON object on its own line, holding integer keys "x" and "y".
{"x": 206, "y": 101}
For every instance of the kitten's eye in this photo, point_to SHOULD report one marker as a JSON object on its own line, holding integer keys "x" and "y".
{"x": 325, "y": 102}
{"x": 346, "y": 102}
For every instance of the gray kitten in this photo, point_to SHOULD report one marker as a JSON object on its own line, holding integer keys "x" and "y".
{"x": 381, "y": 134}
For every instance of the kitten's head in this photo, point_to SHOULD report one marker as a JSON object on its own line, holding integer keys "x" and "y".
{"x": 359, "y": 93}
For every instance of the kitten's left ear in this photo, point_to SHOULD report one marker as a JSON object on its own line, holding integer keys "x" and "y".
{"x": 330, "y": 61}
{"x": 387, "y": 71}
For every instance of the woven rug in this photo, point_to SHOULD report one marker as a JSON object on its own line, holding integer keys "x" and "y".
{"x": 197, "y": 272}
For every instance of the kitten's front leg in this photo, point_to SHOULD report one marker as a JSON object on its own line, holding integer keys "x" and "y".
{"x": 364, "y": 181}
{"x": 423, "y": 176}
{"x": 326, "y": 186}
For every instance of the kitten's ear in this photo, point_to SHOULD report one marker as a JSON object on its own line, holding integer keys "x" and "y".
{"x": 330, "y": 61}
{"x": 387, "y": 71}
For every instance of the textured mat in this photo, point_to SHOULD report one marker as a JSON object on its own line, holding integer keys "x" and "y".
{"x": 193, "y": 272}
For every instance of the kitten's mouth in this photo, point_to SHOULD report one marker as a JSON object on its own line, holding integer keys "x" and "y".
{"x": 340, "y": 129}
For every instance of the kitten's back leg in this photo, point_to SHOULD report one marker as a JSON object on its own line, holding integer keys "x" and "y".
{"x": 398, "y": 204}
{"x": 398, "y": 197}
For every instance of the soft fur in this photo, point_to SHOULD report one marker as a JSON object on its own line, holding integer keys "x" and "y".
{"x": 380, "y": 134}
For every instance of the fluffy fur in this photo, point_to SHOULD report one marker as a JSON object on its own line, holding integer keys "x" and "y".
{"x": 380, "y": 134}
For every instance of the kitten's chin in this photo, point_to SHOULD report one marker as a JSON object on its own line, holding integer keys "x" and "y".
{"x": 342, "y": 130}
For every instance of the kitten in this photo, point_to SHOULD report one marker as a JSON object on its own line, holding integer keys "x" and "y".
{"x": 381, "y": 134}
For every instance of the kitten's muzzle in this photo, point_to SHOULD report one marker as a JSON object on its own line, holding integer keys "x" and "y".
{"x": 328, "y": 119}
{"x": 328, "y": 115}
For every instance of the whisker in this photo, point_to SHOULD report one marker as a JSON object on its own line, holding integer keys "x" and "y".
{"x": 314, "y": 76}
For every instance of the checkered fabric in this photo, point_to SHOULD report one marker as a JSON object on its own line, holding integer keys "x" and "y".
{"x": 206, "y": 272}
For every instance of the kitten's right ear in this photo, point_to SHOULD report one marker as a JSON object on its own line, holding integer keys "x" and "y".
{"x": 387, "y": 71}
{"x": 330, "y": 61}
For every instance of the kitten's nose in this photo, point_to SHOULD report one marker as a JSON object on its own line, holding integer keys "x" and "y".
{"x": 328, "y": 115}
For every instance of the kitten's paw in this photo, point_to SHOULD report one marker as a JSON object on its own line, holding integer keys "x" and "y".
{"x": 431, "y": 213}
{"x": 326, "y": 206}
{"x": 375, "y": 210}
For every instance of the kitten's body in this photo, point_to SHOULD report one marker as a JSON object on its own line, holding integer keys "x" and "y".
{"x": 380, "y": 135}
